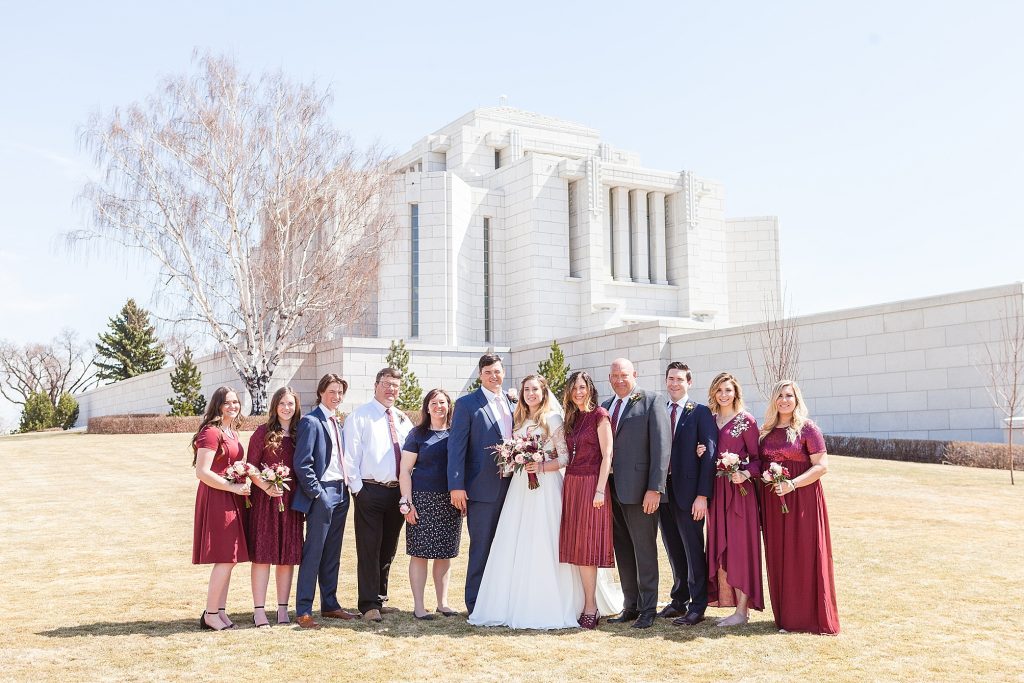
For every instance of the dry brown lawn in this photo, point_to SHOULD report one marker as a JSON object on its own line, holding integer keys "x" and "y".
{"x": 97, "y": 585}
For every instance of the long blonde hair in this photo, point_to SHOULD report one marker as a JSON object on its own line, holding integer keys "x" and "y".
{"x": 771, "y": 416}
{"x": 540, "y": 415}
{"x": 720, "y": 379}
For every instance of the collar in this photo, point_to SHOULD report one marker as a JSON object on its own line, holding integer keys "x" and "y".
{"x": 328, "y": 414}
{"x": 681, "y": 402}
{"x": 489, "y": 394}
{"x": 380, "y": 407}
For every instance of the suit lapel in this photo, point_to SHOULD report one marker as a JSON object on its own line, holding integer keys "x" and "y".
{"x": 481, "y": 398}
{"x": 627, "y": 404}
{"x": 319, "y": 414}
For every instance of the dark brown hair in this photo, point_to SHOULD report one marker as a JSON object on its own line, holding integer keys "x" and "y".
{"x": 424, "y": 426}
{"x": 676, "y": 365}
{"x": 569, "y": 406}
{"x": 394, "y": 373}
{"x": 275, "y": 431}
{"x": 326, "y": 381}
{"x": 486, "y": 360}
{"x": 213, "y": 417}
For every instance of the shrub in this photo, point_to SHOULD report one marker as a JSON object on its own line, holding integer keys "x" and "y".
{"x": 38, "y": 413}
{"x": 966, "y": 453}
{"x": 66, "y": 414}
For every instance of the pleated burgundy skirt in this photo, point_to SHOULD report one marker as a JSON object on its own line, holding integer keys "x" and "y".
{"x": 585, "y": 538}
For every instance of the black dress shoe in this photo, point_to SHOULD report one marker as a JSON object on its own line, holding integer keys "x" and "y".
{"x": 691, "y": 619}
{"x": 624, "y": 616}
{"x": 670, "y": 611}
{"x": 645, "y": 620}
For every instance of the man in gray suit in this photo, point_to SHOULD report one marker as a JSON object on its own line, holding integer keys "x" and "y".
{"x": 639, "y": 467}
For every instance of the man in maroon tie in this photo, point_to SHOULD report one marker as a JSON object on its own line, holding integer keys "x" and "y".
{"x": 639, "y": 467}
{"x": 374, "y": 435}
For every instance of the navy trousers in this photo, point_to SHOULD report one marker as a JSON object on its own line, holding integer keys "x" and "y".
{"x": 321, "y": 551}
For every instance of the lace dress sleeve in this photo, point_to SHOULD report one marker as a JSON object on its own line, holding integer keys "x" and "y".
{"x": 558, "y": 440}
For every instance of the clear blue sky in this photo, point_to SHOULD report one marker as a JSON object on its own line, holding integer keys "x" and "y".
{"x": 887, "y": 136}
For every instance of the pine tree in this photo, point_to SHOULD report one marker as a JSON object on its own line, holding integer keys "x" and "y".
{"x": 187, "y": 383}
{"x": 411, "y": 395}
{"x": 131, "y": 347}
{"x": 65, "y": 415}
{"x": 555, "y": 370}
{"x": 38, "y": 413}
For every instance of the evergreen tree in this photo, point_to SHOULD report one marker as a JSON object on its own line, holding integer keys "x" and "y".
{"x": 187, "y": 383}
{"x": 131, "y": 347}
{"x": 555, "y": 370}
{"x": 38, "y": 413}
{"x": 65, "y": 415}
{"x": 411, "y": 396}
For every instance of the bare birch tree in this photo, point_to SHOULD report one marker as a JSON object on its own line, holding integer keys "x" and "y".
{"x": 773, "y": 352}
{"x": 1004, "y": 371}
{"x": 265, "y": 222}
{"x": 64, "y": 366}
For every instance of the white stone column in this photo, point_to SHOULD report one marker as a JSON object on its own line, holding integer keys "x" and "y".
{"x": 659, "y": 262}
{"x": 620, "y": 233}
{"x": 638, "y": 229}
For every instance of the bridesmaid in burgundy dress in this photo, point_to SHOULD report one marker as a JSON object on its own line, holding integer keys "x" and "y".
{"x": 734, "y": 529}
{"x": 585, "y": 537}
{"x": 797, "y": 545}
{"x": 219, "y": 533}
{"x": 275, "y": 535}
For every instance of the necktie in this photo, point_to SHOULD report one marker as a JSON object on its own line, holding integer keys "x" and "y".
{"x": 394, "y": 442}
{"x": 341, "y": 447}
{"x": 675, "y": 411}
{"x": 506, "y": 418}
{"x": 615, "y": 415}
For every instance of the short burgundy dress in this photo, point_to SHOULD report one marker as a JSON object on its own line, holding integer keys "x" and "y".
{"x": 585, "y": 538}
{"x": 275, "y": 535}
{"x": 219, "y": 531}
{"x": 797, "y": 545}
{"x": 734, "y": 528}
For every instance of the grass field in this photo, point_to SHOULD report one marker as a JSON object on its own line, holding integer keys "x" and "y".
{"x": 97, "y": 585}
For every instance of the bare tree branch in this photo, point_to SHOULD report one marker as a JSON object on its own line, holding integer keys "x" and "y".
{"x": 1004, "y": 369}
{"x": 775, "y": 353}
{"x": 62, "y": 366}
{"x": 266, "y": 223}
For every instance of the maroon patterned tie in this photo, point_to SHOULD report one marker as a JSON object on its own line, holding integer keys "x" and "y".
{"x": 394, "y": 442}
{"x": 675, "y": 411}
{"x": 615, "y": 415}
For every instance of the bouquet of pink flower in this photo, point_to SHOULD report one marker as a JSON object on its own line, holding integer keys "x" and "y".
{"x": 727, "y": 465}
{"x": 277, "y": 476}
{"x": 777, "y": 474}
{"x": 513, "y": 455}
{"x": 239, "y": 472}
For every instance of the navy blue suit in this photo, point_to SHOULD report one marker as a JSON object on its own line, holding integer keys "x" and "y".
{"x": 325, "y": 505}
{"x": 691, "y": 476}
{"x": 471, "y": 467}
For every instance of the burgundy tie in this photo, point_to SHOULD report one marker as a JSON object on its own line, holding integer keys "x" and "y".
{"x": 341, "y": 447}
{"x": 615, "y": 415}
{"x": 394, "y": 443}
{"x": 675, "y": 411}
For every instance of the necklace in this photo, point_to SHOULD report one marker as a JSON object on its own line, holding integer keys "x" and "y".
{"x": 440, "y": 433}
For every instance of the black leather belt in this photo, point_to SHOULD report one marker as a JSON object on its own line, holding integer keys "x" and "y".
{"x": 385, "y": 484}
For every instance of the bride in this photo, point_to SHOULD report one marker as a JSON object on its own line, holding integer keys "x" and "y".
{"x": 524, "y": 585}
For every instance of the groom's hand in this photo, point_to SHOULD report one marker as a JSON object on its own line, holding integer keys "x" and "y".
{"x": 700, "y": 508}
{"x": 652, "y": 499}
{"x": 459, "y": 500}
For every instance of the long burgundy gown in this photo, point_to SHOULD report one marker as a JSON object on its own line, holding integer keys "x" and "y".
{"x": 797, "y": 545}
{"x": 734, "y": 528}
{"x": 585, "y": 537}
{"x": 275, "y": 536}
{"x": 218, "y": 534}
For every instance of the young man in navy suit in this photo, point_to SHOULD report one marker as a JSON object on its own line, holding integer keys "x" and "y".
{"x": 481, "y": 419}
{"x": 321, "y": 495}
{"x": 689, "y": 487}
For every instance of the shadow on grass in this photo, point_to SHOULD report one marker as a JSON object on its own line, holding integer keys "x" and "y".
{"x": 154, "y": 629}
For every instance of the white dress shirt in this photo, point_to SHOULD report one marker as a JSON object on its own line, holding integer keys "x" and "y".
{"x": 497, "y": 403}
{"x": 335, "y": 470}
{"x": 369, "y": 453}
{"x": 679, "y": 411}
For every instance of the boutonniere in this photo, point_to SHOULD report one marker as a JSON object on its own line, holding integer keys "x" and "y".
{"x": 690, "y": 405}
{"x": 512, "y": 397}
{"x": 402, "y": 417}
{"x": 635, "y": 397}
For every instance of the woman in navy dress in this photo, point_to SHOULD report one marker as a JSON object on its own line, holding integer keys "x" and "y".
{"x": 218, "y": 536}
{"x": 275, "y": 534}
{"x": 433, "y": 526}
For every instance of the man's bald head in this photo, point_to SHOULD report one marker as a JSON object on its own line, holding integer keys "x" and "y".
{"x": 622, "y": 377}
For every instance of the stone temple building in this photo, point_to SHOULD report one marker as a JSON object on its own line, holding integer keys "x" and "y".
{"x": 515, "y": 227}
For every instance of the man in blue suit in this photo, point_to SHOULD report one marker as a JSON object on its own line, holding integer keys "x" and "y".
{"x": 321, "y": 495}
{"x": 481, "y": 419}
{"x": 690, "y": 484}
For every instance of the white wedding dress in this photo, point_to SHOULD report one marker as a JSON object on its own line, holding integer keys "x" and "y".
{"x": 524, "y": 585}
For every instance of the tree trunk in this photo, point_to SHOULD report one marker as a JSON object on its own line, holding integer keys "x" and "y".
{"x": 256, "y": 383}
{"x": 1009, "y": 449}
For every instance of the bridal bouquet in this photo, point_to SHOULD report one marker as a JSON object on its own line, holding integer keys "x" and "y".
{"x": 727, "y": 465}
{"x": 239, "y": 472}
{"x": 777, "y": 474}
{"x": 513, "y": 455}
{"x": 277, "y": 476}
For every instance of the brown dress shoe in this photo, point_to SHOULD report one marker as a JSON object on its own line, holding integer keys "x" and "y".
{"x": 307, "y": 621}
{"x": 372, "y": 615}
{"x": 388, "y": 610}
{"x": 338, "y": 614}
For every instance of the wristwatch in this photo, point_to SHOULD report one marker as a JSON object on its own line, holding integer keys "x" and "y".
{"x": 404, "y": 506}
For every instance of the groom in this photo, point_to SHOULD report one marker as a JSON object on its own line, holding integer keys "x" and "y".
{"x": 481, "y": 419}
{"x": 639, "y": 466}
